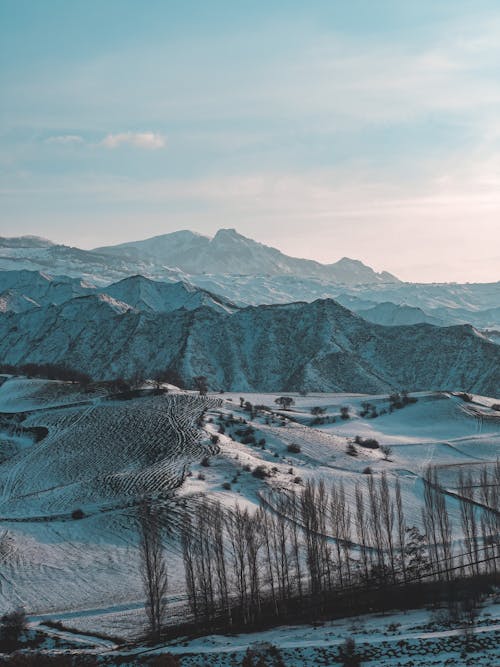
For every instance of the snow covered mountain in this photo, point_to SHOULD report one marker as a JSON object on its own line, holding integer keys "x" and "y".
{"x": 244, "y": 272}
{"x": 156, "y": 297}
{"x": 231, "y": 253}
{"x": 318, "y": 346}
{"x": 24, "y": 290}
{"x": 445, "y": 303}
{"x": 36, "y": 288}
{"x": 172, "y": 256}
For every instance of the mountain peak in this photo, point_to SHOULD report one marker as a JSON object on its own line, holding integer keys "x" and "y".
{"x": 228, "y": 232}
{"x": 183, "y": 252}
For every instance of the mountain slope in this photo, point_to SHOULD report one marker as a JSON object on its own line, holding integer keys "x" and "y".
{"x": 24, "y": 290}
{"x": 42, "y": 288}
{"x": 319, "y": 346}
{"x": 391, "y": 314}
{"x": 157, "y": 297}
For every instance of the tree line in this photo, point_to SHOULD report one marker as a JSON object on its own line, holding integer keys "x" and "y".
{"x": 319, "y": 547}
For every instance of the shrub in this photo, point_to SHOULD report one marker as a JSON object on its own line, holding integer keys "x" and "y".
{"x": 244, "y": 432}
{"x": 226, "y": 486}
{"x": 285, "y": 402}
{"x": 297, "y": 480}
{"x": 77, "y": 514}
{"x": 368, "y": 443}
{"x": 293, "y": 448}
{"x": 205, "y": 462}
{"x": 396, "y": 402}
{"x": 201, "y": 476}
{"x": 12, "y": 626}
{"x": 351, "y": 450}
{"x": 260, "y": 472}
{"x": 214, "y": 439}
{"x": 248, "y": 440}
{"x": 367, "y": 471}
{"x": 344, "y": 412}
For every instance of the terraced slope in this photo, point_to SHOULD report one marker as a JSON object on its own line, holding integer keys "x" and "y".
{"x": 101, "y": 454}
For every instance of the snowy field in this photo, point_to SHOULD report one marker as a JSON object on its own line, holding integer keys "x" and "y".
{"x": 98, "y": 454}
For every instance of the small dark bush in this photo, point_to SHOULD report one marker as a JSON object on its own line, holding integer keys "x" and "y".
{"x": 12, "y": 627}
{"x": 368, "y": 443}
{"x": 205, "y": 462}
{"x": 248, "y": 440}
{"x": 260, "y": 472}
{"x": 344, "y": 413}
{"x": 293, "y": 448}
{"x": 77, "y": 514}
{"x": 226, "y": 486}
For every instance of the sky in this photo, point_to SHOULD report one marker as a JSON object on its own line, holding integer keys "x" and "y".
{"x": 368, "y": 129}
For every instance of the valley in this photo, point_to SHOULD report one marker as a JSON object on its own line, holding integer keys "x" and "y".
{"x": 102, "y": 452}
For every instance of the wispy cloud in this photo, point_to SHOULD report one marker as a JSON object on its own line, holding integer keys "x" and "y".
{"x": 148, "y": 140}
{"x": 65, "y": 139}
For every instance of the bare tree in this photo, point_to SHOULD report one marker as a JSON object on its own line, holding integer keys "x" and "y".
{"x": 152, "y": 564}
{"x": 387, "y": 522}
{"x": 401, "y": 528}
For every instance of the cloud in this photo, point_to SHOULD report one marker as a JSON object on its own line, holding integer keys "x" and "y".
{"x": 148, "y": 140}
{"x": 65, "y": 139}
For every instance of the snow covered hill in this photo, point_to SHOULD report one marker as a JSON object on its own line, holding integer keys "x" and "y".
{"x": 319, "y": 346}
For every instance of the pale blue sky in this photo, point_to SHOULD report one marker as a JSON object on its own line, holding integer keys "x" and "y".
{"x": 366, "y": 128}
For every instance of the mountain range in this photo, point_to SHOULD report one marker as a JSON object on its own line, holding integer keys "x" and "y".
{"x": 245, "y": 272}
{"x": 171, "y": 255}
{"x": 243, "y": 314}
{"x": 137, "y": 325}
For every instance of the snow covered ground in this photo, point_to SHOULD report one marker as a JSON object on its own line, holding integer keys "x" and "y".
{"x": 384, "y": 640}
{"x": 85, "y": 573}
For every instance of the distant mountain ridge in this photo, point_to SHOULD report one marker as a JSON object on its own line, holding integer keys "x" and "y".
{"x": 232, "y": 253}
{"x": 180, "y": 252}
{"x": 244, "y": 272}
